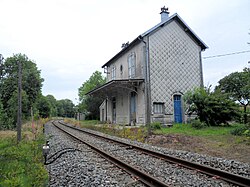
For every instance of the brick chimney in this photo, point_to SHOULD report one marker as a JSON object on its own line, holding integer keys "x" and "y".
{"x": 164, "y": 14}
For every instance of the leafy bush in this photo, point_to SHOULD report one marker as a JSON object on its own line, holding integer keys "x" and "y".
{"x": 241, "y": 119}
{"x": 197, "y": 124}
{"x": 155, "y": 125}
{"x": 247, "y": 132}
{"x": 241, "y": 131}
{"x": 212, "y": 108}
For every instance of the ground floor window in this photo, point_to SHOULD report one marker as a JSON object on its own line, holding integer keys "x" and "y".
{"x": 158, "y": 108}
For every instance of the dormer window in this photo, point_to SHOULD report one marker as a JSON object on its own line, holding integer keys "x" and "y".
{"x": 131, "y": 65}
{"x": 113, "y": 72}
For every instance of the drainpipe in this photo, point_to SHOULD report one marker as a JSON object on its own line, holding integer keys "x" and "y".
{"x": 147, "y": 86}
{"x": 201, "y": 70}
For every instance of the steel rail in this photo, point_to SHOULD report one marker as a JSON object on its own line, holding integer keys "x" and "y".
{"x": 215, "y": 173}
{"x": 141, "y": 176}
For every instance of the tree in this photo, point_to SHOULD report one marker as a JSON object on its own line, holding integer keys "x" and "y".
{"x": 3, "y": 116}
{"x": 213, "y": 108}
{"x": 89, "y": 104}
{"x": 43, "y": 106}
{"x": 51, "y": 99}
{"x": 93, "y": 82}
{"x": 237, "y": 87}
{"x": 66, "y": 108}
{"x": 92, "y": 106}
{"x": 31, "y": 85}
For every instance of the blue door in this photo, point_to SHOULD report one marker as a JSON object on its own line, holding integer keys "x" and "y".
{"x": 177, "y": 109}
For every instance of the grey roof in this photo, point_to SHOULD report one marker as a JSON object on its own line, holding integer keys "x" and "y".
{"x": 176, "y": 17}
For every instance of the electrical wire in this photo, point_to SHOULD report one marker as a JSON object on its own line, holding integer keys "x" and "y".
{"x": 235, "y": 53}
{"x": 58, "y": 154}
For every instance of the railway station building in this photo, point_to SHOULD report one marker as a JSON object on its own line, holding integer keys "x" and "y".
{"x": 147, "y": 79}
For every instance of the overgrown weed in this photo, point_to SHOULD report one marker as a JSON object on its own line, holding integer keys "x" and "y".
{"x": 22, "y": 164}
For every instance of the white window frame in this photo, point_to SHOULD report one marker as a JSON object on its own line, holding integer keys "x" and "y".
{"x": 131, "y": 65}
{"x": 158, "y": 108}
{"x": 113, "y": 73}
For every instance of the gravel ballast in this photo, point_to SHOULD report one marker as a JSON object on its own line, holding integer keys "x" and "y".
{"x": 231, "y": 166}
{"x": 170, "y": 174}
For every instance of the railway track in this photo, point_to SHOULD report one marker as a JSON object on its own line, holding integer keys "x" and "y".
{"x": 193, "y": 169}
{"x": 79, "y": 165}
{"x": 142, "y": 176}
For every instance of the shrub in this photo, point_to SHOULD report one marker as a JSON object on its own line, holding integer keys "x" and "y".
{"x": 247, "y": 132}
{"x": 241, "y": 131}
{"x": 197, "y": 124}
{"x": 213, "y": 108}
{"x": 155, "y": 125}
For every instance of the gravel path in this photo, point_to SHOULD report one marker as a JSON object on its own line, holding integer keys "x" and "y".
{"x": 169, "y": 173}
{"x": 80, "y": 166}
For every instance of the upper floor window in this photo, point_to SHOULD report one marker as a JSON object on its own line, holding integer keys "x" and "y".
{"x": 121, "y": 69}
{"x": 158, "y": 108}
{"x": 131, "y": 65}
{"x": 112, "y": 72}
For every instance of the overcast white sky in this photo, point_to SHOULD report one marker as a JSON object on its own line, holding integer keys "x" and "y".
{"x": 70, "y": 39}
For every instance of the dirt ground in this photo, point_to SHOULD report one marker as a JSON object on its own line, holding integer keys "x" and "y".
{"x": 225, "y": 147}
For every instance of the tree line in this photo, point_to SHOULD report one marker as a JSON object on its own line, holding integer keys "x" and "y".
{"x": 32, "y": 99}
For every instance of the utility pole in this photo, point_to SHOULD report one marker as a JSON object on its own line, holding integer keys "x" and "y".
{"x": 19, "y": 112}
{"x": 1, "y": 60}
{"x": 32, "y": 123}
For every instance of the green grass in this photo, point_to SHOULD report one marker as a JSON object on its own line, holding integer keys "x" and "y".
{"x": 90, "y": 122}
{"x": 220, "y": 134}
{"x": 22, "y": 164}
{"x": 82, "y": 123}
{"x": 188, "y": 130}
{"x": 185, "y": 129}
